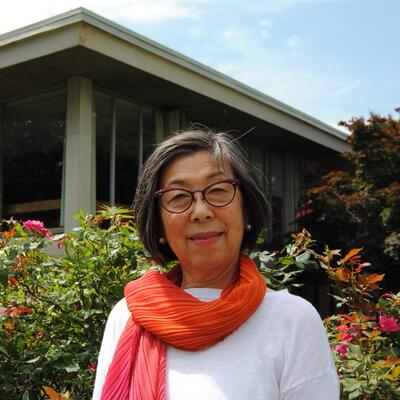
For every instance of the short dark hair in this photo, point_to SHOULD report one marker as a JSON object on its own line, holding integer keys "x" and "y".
{"x": 224, "y": 148}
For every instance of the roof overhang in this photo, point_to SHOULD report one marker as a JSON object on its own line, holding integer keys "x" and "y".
{"x": 80, "y": 42}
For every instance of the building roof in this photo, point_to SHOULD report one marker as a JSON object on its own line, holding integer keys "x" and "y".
{"x": 85, "y": 29}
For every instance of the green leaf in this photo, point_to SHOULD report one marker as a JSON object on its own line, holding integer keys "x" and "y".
{"x": 4, "y": 276}
{"x": 25, "y": 396}
{"x": 3, "y": 350}
{"x": 354, "y": 395}
{"x": 72, "y": 368}
{"x": 33, "y": 360}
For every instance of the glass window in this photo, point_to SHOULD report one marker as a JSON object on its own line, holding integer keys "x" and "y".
{"x": 103, "y": 126}
{"x": 257, "y": 159}
{"x": 149, "y": 132}
{"x": 126, "y": 151}
{"x": 125, "y": 135}
{"x": 33, "y": 131}
{"x": 276, "y": 178}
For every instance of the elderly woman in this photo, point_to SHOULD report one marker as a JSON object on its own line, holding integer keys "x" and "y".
{"x": 208, "y": 329}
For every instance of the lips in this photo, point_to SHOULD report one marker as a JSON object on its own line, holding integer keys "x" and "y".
{"x": 205, "y": 235}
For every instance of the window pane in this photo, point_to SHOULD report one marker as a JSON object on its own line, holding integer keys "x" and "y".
{"x": 103, "y": 121}
{"x": 257, "y": 159}
{"x": 33, "y": 144}
{"x": 149, "y": 132}
{"x": 276, "y": 174}
{"x": 276, "y": 219}
{"x": 126, "y": 161}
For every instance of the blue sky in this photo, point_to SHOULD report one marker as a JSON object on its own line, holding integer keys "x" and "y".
{"x": 332, "y": 59}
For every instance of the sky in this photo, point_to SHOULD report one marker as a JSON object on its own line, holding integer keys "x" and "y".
{"x": 332, "y": 59}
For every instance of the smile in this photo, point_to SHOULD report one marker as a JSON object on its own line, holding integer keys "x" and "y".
{"x": 205, "y": 238}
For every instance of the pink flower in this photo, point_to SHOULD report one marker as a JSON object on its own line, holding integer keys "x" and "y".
{"x": 342, "y": 328}
{"x": 341, "y": 349}
{"x": 37, "y": 226}
{"x": 33, "y": 225}
{"x": 345, "y": 337}
{"x": 91, "y": 366}
{"x": 388, "y": 324}
{"x": 353, "y": 328}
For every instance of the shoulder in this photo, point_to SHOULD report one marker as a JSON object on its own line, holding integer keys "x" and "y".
{"x": 287, "y": 306}
{"x": 117, "y": 319}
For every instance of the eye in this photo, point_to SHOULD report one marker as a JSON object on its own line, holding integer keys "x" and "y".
{"x": 176, "y": 196}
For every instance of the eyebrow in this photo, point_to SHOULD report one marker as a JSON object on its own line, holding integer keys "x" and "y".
{"x": 182, "y": 182}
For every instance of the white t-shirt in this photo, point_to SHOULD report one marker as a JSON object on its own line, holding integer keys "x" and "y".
{"x": 280, "y": 353}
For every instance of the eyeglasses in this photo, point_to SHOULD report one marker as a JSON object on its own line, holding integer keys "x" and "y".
{"x": 219, "y": 194}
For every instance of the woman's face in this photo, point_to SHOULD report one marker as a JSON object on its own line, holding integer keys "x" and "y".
{"x": 203, "y": 236}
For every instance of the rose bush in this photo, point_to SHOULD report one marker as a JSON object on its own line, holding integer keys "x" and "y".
{"x": 365, "y": 339}
{"x": 53, "y": 308}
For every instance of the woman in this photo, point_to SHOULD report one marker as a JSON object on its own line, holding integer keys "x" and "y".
{"x": 209, "y": 329}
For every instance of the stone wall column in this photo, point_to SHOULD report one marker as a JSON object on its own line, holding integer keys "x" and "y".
{"x": 80, "y": 176}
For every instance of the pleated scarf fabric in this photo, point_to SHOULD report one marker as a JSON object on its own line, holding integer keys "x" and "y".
{"x": 163, "y": 314}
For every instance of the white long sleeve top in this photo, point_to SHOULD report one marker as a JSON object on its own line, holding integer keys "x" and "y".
{"x": 280, "y": 353}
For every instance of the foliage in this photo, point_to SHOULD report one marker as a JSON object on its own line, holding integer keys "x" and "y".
{"x": 360, "y": 207}
{"x": 281, "y": 269}
{"x": 366, "y": 340}
{"x": 54, "y": 307}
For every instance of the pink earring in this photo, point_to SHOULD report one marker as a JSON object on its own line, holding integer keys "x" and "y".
{"x": 248, "y": 228}
{"x": 161, "y": 240}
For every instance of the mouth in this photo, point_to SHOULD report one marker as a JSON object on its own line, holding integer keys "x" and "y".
{"x": 205, "y": 238}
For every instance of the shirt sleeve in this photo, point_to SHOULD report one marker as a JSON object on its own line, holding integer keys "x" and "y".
{"x": 116, "y": 322}
{"x": 308, "y": 369}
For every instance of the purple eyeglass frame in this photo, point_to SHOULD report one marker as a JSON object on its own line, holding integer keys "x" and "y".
{"x": 160, "y": 192}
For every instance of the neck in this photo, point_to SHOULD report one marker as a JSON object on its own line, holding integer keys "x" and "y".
{"x": 217, "y": 278}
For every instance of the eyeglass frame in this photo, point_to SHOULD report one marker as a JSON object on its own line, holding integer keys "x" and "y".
{"x": 234, "y": 182}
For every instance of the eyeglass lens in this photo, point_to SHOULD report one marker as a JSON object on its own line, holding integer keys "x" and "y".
{"x": 218, "y": 195}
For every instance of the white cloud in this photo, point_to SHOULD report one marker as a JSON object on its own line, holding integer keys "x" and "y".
{"x": 293, "y": 41}
{"x": 16, "y": 14}
{"x": 195, "y": 32}
{"x": 265, "y": 24}
{"x": 230, "y": 34}
{"x": 270, "y": 72}
{"x": 228, "y": 69}
{"x": 348, "y": 88}
{"x": 281, "y": 5}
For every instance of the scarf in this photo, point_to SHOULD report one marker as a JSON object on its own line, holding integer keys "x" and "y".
{"x": 163, "y": 314}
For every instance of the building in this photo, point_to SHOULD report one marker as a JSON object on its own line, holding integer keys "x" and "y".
{"x": 83, "y": 100}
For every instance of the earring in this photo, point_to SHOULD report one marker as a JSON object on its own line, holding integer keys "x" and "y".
{"x": 161, "y": 240}
{"x": 248, "y": 228}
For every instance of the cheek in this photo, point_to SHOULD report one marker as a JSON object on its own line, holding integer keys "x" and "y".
{"x": 171, "y": 225}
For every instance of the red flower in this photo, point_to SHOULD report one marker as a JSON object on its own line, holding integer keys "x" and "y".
{"x": 342, "y": 328}
{"x": 91, "y": 366}
{"x": 17, "y": 310}
{"x": 342, "y": 349}
{"x": 345, "y": 337}
{"x": 388, "y": 324}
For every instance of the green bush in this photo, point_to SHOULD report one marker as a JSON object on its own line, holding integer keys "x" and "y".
{"x": 53, "y": 307}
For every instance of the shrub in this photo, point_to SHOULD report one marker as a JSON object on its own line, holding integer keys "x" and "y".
{"x": 54, "y": 307}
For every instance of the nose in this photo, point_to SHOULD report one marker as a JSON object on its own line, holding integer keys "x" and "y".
{"x": 201, "y": 209}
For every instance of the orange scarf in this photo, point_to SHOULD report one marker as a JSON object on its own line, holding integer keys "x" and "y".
{"x": 163, "y": 314}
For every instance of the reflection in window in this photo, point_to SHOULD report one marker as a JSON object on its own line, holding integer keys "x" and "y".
{"x": 126, "y": 151}
{"x": 126, "y": 132}
{"x": 149, "y": 132}
{"x": 33, "y": 132}
{"x": 103, "y": 123}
